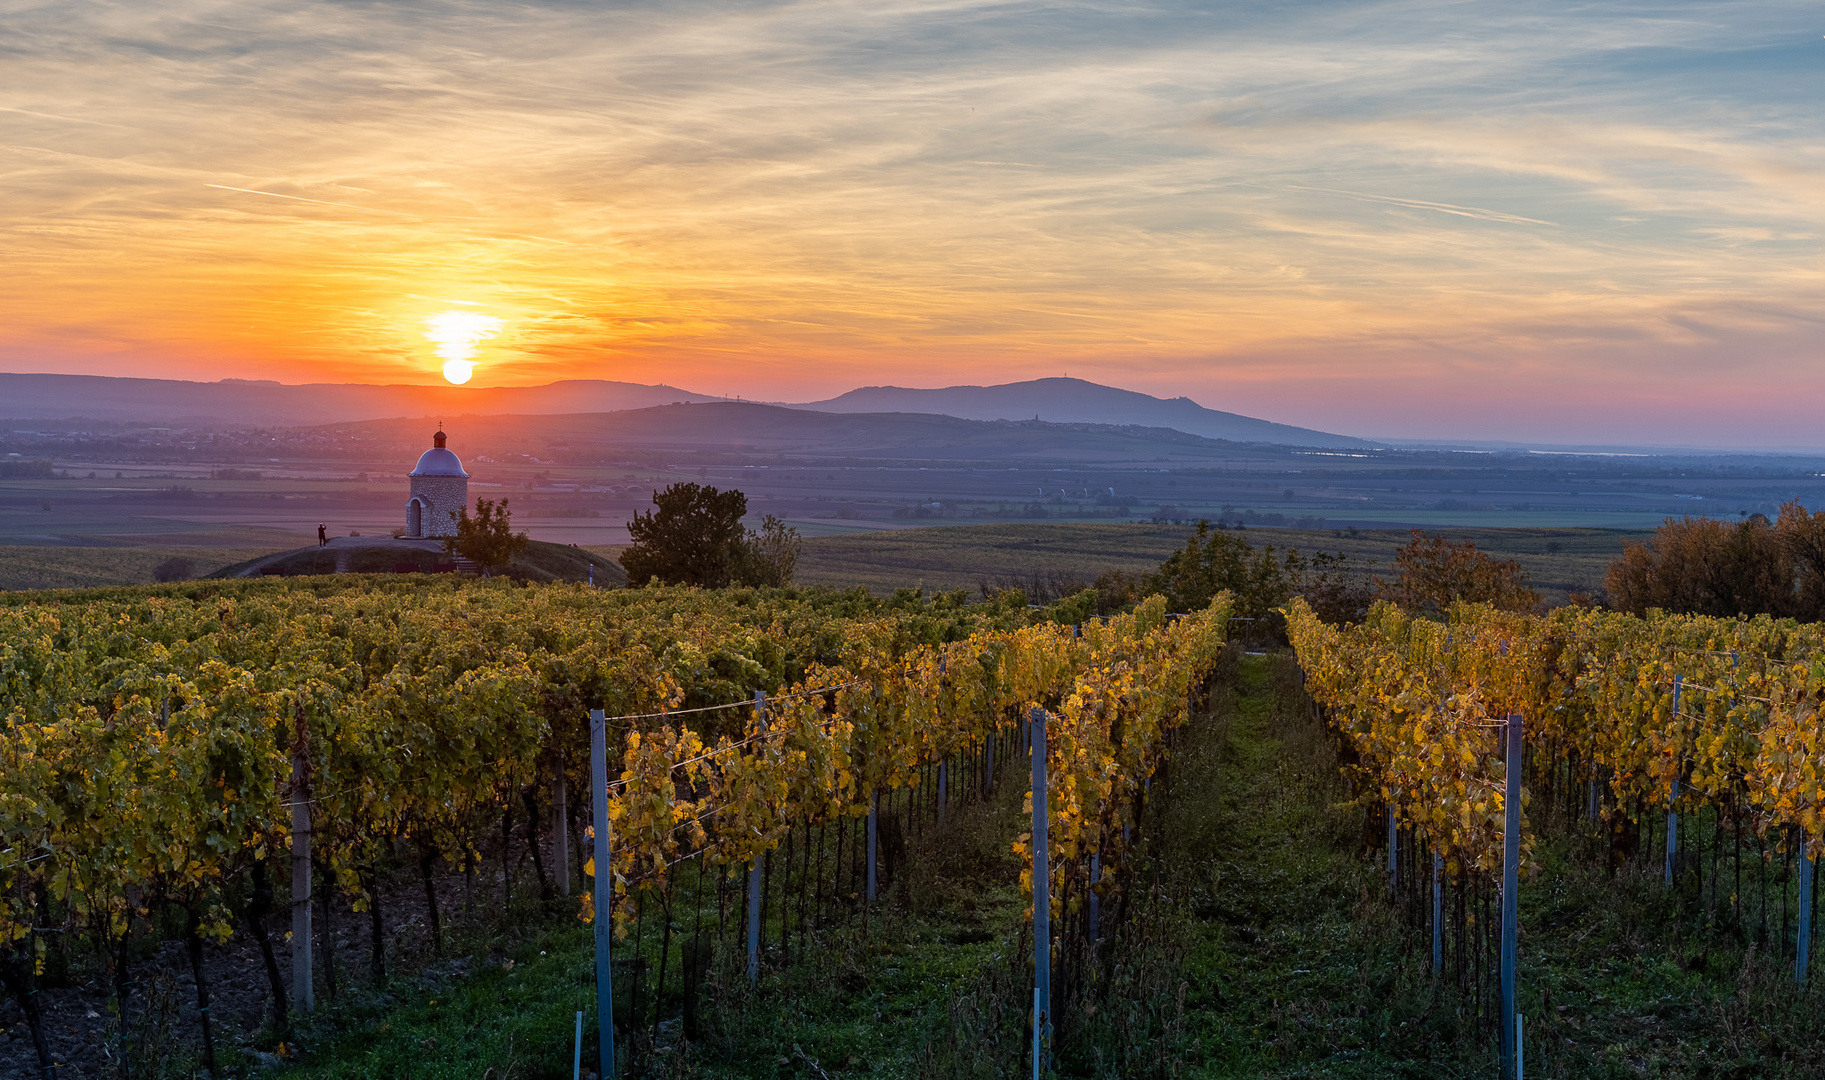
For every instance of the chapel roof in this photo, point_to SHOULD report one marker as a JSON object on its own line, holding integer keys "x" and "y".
{"x": 439, "y": 461}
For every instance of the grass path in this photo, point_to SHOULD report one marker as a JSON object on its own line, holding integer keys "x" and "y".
{"x": 1293, "y": 966}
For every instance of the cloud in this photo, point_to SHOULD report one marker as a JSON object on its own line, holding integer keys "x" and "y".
{"x": 805, "y": 192}
{"x": 1453, "y": 209}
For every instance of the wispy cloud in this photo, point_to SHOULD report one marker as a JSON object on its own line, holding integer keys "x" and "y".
{"x": 300, "y": 198}
{"x": 1268, "y": 207}
{"x": 1478, "y": 212}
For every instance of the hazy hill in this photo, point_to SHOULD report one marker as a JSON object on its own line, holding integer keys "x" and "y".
{"x": 29, "y": 398}
{"x": 733, "y": 430}
{"x": 1077, "y": 401}
{"x": 263, "y": 404}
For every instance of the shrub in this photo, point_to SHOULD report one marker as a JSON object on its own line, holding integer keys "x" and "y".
{"x": 1259, "y": 579}
{"x": 176, "y": 568}
{"x": 1433, "y": 573}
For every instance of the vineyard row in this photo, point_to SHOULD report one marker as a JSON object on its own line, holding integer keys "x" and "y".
{"x": 165, "y": 747}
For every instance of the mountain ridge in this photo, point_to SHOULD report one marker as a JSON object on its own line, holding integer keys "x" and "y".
{"x": 30, "y": 397}
{"x": 750, "y": 431}
{"x": 1078, "y": 401}
{"x": 26, "y": 396}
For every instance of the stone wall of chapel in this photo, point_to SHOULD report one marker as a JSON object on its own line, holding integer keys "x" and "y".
{"x": 442, "y": 496}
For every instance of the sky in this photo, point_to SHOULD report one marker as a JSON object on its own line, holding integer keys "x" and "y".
{"x": 1542, "y": 222}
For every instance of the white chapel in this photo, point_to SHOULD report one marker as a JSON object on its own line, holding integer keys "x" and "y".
{"x": 440, "y": 488}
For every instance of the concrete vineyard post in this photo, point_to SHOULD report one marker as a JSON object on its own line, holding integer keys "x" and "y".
{"x": 303, "y": 996}
{"x": 1511, "y": 877}
{"x": 1042, "y": 883}
{"x": 604, "y": 890}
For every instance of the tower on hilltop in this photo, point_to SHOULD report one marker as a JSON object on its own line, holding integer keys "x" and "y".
{"x": 440, "y": 488}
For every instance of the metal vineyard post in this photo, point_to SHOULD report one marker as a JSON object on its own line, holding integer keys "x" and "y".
{"x": 1511, "y": 877}
{"x": 1042, "y": 882}
{"x": 604, "y": 890}
{"x": 754, "y": 868}
{"x": 1673, "y": 799}
{"x": 303, "y": 998}
{"x": 1438, "y": 913}
{"x": 1803, "y": 940}
{"x": 560, "y": 831}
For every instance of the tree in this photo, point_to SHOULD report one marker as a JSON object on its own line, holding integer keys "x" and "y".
{"x": 1259, "y": 580}
{"x": 1702, "y": 566}
{"x": 1336, "y": 594}
{"x": 770, "y": 555}
{"x": 1212, "y": 561}
{"x": 1433, "y": 573}
{"x": 487, "y": 539}
{"x": 694, "y": 537}
{"x": 1802, "y": 537}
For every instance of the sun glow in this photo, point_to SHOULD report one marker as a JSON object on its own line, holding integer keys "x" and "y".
{"x": 456, "y": 335}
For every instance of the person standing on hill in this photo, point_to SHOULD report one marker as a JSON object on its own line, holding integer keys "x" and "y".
{"x": 323, "y": 536}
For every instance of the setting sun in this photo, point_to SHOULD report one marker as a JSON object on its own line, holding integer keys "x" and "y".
{"x": 456, "y": 334}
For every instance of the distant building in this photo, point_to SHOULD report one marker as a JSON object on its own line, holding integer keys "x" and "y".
{"x": 440, "y": 488}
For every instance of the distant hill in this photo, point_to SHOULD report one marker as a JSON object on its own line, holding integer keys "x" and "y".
{"x": 269, "y": 404}
{"x": 1077, "y": 401}
{"x": 30, "y": 398}
{"x": 730, "y": 430}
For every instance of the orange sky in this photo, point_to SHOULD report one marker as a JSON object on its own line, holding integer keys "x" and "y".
{"x": 1405, "y": 219}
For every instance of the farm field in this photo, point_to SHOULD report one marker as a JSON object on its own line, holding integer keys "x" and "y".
{"x": 577, "y": 480}
{"x": 1046, "y": 556}
{"x": 1032, "y": 555}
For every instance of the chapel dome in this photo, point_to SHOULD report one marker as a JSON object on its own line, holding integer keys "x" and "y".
{"x": 438, "y": 461}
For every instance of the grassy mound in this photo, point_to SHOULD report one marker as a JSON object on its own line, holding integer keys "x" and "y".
{"x": 540, "y": 562}
{"x": 67, "y": 567}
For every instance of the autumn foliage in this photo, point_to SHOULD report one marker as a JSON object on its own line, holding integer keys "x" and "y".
{"x": 1432, "y": 573}
{"x": 1415, "y": 700}
{"x": 144, "y": 733}
{"x": 1702, "y": 566}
